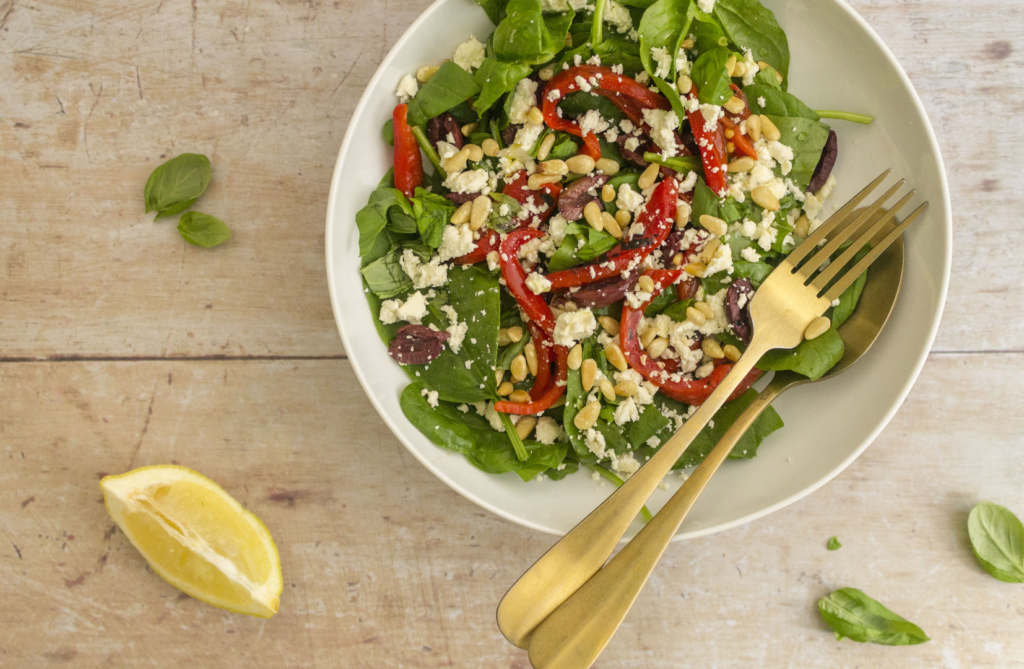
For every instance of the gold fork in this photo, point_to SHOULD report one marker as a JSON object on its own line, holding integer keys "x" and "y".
{"x": 787, "y": 302}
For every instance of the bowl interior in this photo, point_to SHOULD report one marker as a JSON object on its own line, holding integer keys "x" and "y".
{"x": 837, "y": 62}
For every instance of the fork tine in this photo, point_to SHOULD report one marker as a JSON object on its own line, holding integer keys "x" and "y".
{"x": 839, "y": 239}
{"x": 823, "y": 279}
{"x": 850, "y": 276}
{"x": 811, "y": 242}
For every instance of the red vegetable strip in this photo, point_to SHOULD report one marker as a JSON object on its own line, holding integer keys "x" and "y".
{"x": 533, "y": 305}
{"x": 712, "y": 149}
{"x": 550, "y": 396}
{"x": 408, "y": 162}
{"x": 542, "y": 343}
{"x": 739, "y": 140}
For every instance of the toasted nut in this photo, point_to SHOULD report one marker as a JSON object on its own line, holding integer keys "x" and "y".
{"x": 623, "y": 217}
{"x": 538, "y": 180}
{"x": 730, "y": 65}
{"x": 753, "y": 126}
{"x": 649, "y": 176}
{"x": 684, "y": 84}
{"x": 647, "y": 337}
{"x": 490, "y": 147}
{"x": 588, "y": 372}
{"x": 818, "y": 327}
{"x": 704, "y": 308}
{"x": 580, "y": 164}
{"x": 657, "y": 347}
{"x": 547, "y": 72}
{"x": 424, "y": 74}
{"x": 695, "y": 316}
{"x": 462, "y": 214}
{"x": 607, "y": 166}
{"x": 695, "y": 269}
{"x": 481, "y": 210}
{"x": 729, "y": 133}
{"x": 515, "y": 333}
{"x": 778, "y": 75}
{"x": 607, "y": 389}
{"x": 625, "y": 388}
{"x": 615, "y": 356}
{"x": 731, "y": 352}
{"x": 545, "y": 146}
{"x": 569, "y": 306}
{"x": 761, "y": 65}
{"x": 730, "y": 147}
{"x": 646, "y": 284}
{"x": 683, "y": 211}
{"x": 611, "y": 225}
{"x": 712, "y": 348}
{"x": 535, "y": 115}
{"x": 610, "y": 325}
{"x": 555, "y": 166}
{"x": 710, "y": 249}
{"x": 469, "y": 129}
{"x": 587, "y": 416}
{"x": 530, "y": 351}
{"x": 802, "y": 227}
{"x": 608, "y": 193}
{"x": 457, "y": 162}
{"x": 476, "y": 154}
{"x": 520, "y": 397}
{"x": 506, "y": 389}
{"x": 686, "y": 43}
{"x": 503, "y": 338}
{"x": 519, "y": 368}
{"x": 677, "y": 259}
{"x": 499, "y": 374}
{"x": 525, "y": 426}
{"x": 763, "y": 196}
{"x": 575, "y": 358}
{"x": 769, "y": 130}
{"x": 733, "y": 105}
{"x": 714, "y": 225}
{"x": 744, "y": 164}
{"x": 592, "y": 212}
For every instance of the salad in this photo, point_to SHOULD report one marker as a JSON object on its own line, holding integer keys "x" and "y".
{"x": 580, "y": 208}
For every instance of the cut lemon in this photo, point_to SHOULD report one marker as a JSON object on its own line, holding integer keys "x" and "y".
{"x": 197, "y": 537}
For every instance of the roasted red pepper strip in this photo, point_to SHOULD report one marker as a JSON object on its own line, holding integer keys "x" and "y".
{"x": 693, "y": 392}
{"x": 408, "y": 162}
{"x": 739, "y": 140}
{"x": 657, "y": 221}
{"x": 533, "y": 305}
{"x": 542, "y": 344}
{"x": 550, "y": 396}
{"x": 712, "y": 149}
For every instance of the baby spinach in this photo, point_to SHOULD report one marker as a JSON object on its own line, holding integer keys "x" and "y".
{"x": 855, "y": 616}
{"x": 807, "y": 139}
{"x": 704, "y": 202}
{"x": 661, "y": 302}
{"x": 570, "y": 253}
{"x": 450, "y": 86}
{"x": 503, "y": 222}
{"x": 432, "y": 213}
{"x": 812, "y": 358}
{"x": 997, "y": 537}
{"x": 563, "y": 148}
{"x": 707, "y": 33}
{"x": 388, "y": 132}
{"x": 495, "y": 9}
{"x": 385, "y": 276}
{"x": 579, "y": 103}
{"x": 833, "y": 544}
{"x": 202, "y": 229}
{"x": 677, "y": 311}
{"x": 374, "y": 241}
{"x": 711, "y": 76}
{"x": 527, "y": 35}
{"x": 177, "y": 184}
{"x": 663, "y": 25}
{"x": 757, "y": 272}
{"x": 776, "y": 102}
{"x": 614, "y": 50}
{"x": 496, "y": 78}
{"x": 770, "y": 77}
{"x": 849, "y": 298}
{"x": 681, "y": 164}
{"x": 748, "y": 24}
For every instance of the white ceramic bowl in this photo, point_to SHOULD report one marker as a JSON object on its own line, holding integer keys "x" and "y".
{"x": 838, "y": 62}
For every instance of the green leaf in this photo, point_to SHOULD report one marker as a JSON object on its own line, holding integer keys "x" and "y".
{"x": 495, "y": 79}
{"x": 563, "y": 148}
{"x": 579, "y": 103}
{"x": 388, "y": 132}
{"x": 681, "y": 164}
{"x": 707, "y": 33}
{"x": 812, "y": 358}
{"x": 663, "y": 26}
{"x": 855, "y": 616}
{"x": 615, "y": 50}
{"x": 756, "y": 272}
{"x": 450, "y": 86}
{"x": 769, "y": 76}
{"x": 495, "y": 9}
{"x": 372, "y": 220}
{"x": 704, "y": 202}
{"x": 570, "y": 253}
{"x": 997, "y": 537}
{"x": 748, "y": 24}
{"x": 776, "y": 102}
{"x": 177, "y": 184}
{"x": 385, "y": 276}
{"x": 506, "y": 222}
{"x": 833, "y": 544}
{"x": 711, "y": 77}
{"x": 432, "y": 213}
{"x": 807, "y": 139}
{"x": 527, "y": 35}
{"x": 849, "y": 298}
{"x": 677, "y": 311}
{"x": 202, "y": 229}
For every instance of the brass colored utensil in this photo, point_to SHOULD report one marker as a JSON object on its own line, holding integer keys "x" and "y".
{"x": 787, "y": 302}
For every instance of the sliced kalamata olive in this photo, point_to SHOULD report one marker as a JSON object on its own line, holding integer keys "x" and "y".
{"x": 600, "y": 293}
{"x": 462, "y": 198}
{"x": 825, "y": 163}
{"x": 417, "y": 344}
{"x": 635, "y": 157}
{"x": 508, "y": 135}
{"x": 578, "y": 195}
{"x": 444, "y": 128}
{"x": 737, "y": 302}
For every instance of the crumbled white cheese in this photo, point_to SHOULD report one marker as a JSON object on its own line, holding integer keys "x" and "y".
{"x": 594, "y": 441}
{"x": 628, "y": 199}
{"x": 554, "y": 5}
{"x": 624, "y": 464}
{"x": 626, "y": 412}
{"x": 750, "y": 254}
{"x": 538, "y": 283}
{"x": 556, "y": 229}
{"x": 706, "y": 6}
{"x": 663, "y": 124}
{"x": 527, "y": 136}
{"x": 412, "y": 310}
{"x": 433, "y": 274}
{"x": 663, "y": 61}
{"x": 431, "y": 396}
{"x": 711, "y": 114}
{"x": 456, "y": 329}
{"x": 632, "y": 144}
{"x": 470, "y": 181}
{"x": 470, "y": 54}
{"x": 456, "y": 241}
{"x": 548, "y": 431}
{"x": 573, "y": 326}
{"x": 704, "y": 370}
{"x": 721, "y": 262}
{"x": 618, "y": 16}
{"x": 523, "y": 100}
{"x": 592, "y": 122}
{"x": 407, "y": 88}
{"x": 446, "y": 150}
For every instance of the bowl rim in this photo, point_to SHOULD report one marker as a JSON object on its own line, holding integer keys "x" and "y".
{"x": 922, "y": 355}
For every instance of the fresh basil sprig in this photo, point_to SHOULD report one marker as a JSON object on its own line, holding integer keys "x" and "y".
{"x": 854, "y": 615}
{"x": 177, "y": 184}
{"x": 997, "y": 537}
{"x": 202, "y": 229}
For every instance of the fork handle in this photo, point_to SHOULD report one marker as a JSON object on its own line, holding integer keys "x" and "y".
{"x": 576, "y": 633}
{"x": 583, "y": 551}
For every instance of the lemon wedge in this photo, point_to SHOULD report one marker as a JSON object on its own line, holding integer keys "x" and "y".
{"x": 197, "y": 537}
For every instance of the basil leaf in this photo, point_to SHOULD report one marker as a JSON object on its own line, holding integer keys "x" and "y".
{"x": 450, "y": 86}
{"x": 662, "y": 26}
{"x": 527, "y": 35}
{"x": 177, "y": 184}
{"x": 807, "y": 139}
{"x": 432, "y": 213}
{"x": 202, "y": 229}
{"x": 748, "y": 24}
{"x": 496, "y": 78}
{"x": 711, "y": 77}
{"x": 571, "y": 253}
{"x": 833, "y": 544}
{"x": 495, "y": 9}
{"x": 855, "y": 616}
{"x": 776, "y": 102}
{"x": 812, "y": 358}
{"x": 997, "y": 537}
{"x": 385, "y": 276}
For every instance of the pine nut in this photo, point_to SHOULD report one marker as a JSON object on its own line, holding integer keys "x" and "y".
{"x": 469, "y": 129}
{"x": 646, "y": 284}
{"x": 506, "y": 389}
{"x": 519, "y": 368}
{"x": 575, "y": 357}
{"x": 607, "y": 389}
{"x": 695, "y": 316}
{"x": 802, "y": 228}
{"x": 515, "y": 333}
{"x": 499, "y": 374}
{"x": 710, "y": 249}
{"x": 713, "y": 349}
{"x": 818, "y": 327}
{"x": 424, "y": 74}
{"x": 588, "y": 372}
{"x": 611, "y": 226}
{"x": 649, "y": 176}
{"x": 587, "y": 416}
{"x": 741, "y": 68}
{"x": 730, "y": 147}
{"x": 461, "y": 214}
{"x": 546, "y": 73}
{"x": 714, "y": 225}
{"x": 625, "y": 388}
{"x": 657, "y": 347}
{"x": 503, "y": 338}
{"x": 683, "y": 211}
{"x": 538, "y": 180}
{"x": 729, "y": 133}
{"x": 695, "y": 269}
{"x": 684, "y": 84}
{"x": 744, "y": 164}
{"x": 535, "y": 115}
{"x": 622, "y": 217}
{"x": 481, "y": 210}
{"x": 753, "y": 124}
{"x": 606, "y": 166}
{"x": 476, "y": 154}
{"x": 733, "y": 105}
{"x": 525, "y": 426}
{"x": 608, "y": 193}
{"x": 610, "y": 325}
{"x": 569, "y": 306}
{"x": 530, "y": 351}
{"x": 592, "y": 212}
{"x": 761, "y": 65}
{"x": 769, "y": 130}
{"x": 763, "y": 196}
{"x": 490, "y": 147}
{"x": 456, "y": 163}
{"x": 580, "y": 164}
{"x": 731, "y": 352}
{"x": 704, "y": 308}
{"x": 647, "y": 337}
{"x": 555, "y": 166}
{"x": 730, "y": 65}
{"x": 545, "y": 146}
{"x": 778, "y": 75}
{"x": 686, "y": 43}
{"x": 615, "y": 356}
{"x": 520, "y": 397}
{"x": 677, "y": 259}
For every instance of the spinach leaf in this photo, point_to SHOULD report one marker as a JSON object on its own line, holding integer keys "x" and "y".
{"x": 450, "y": 86}
{"x": 748, "y": 24}
{"x": 580, "y": 103}
{"x": 849, "y": 298}
{"x": 496, "y": 78}
{"x": 855, "y": 616}
{"x": 711, "y": 77}
{"x": 663, "y": 25}
{"x": 770, "y": 77}
{"x": 807, "y": 139}
{"x": 401, "y": 223}
{"x": 757, "y": 272}
{"x": 707, "y": 33}
{"x": 833, "y": 544}
{"x": 776, "y": 102}
{"x": 614, "y": 50}
{"x": 661, "y": 302}
{"x": 704, "y": 202}
{"x": 374, "y": 242}
{"x": 495, "y": 9}
{"x": 681, "y": 164}
{"x": 385, "y": 276}
{"x": 506, "y": 222}
{"x": 677, "y": 311}
{"x": 432, "y": 213}
{"x": 388, "y": 132}
{"x": 570, "y": 253}
{"x": 812, "y": 358}
{"x": 527, "y": 35}
{"x": 563, "y": 148}
{"x": 642, "y": 4}
{"x": 203, "y": 229}
{"x": 997, "y": 538}
{"x": 177, "y": 184}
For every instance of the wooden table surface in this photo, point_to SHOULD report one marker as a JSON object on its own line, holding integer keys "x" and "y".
{"x": 122, "y": 346}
